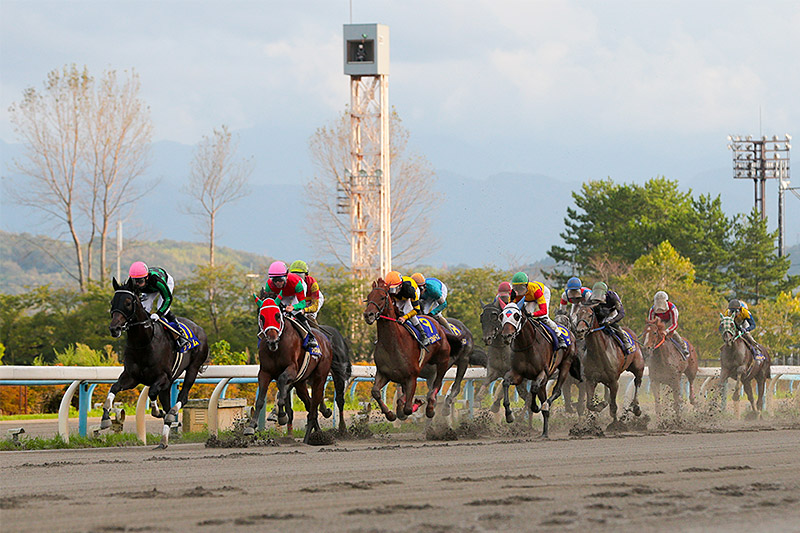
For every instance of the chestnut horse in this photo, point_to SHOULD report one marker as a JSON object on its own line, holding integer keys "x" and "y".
{"x": 666, "y": 364}
{"x": 605, "y": 361}
{"x": 281, "y": 356}
{"x": 499, "y": 355}
{"x": 399, "y": 357}
{"x": 737, "y": 362}
{"x": 150, "y": 358}
{"x": 533, "y": 358}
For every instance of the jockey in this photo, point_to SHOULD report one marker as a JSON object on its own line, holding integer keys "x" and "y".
{"x": 314, "y": 297}
{"x": 533, "y": 298}
{"x": 743, "y": 319}
{"x": 155, "y": 286}
{"x": 574, "y": 294}
{"x": 609, "y": 311}
{"x": 503, "y": 295}
{"x": 667, "y": 312}
{"x": 406, "y": 294}
{"x": 290, "y": 293}
{"x": 433, "y": 297}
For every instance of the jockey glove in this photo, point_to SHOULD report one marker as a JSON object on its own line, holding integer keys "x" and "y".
{"x": 154, "y": 316}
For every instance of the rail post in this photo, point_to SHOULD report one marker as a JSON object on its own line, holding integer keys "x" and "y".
{"x": 63, "y": 410}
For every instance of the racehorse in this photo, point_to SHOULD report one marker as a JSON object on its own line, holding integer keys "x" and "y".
{"x": 605, "y": 361}
{"x": 533, "y": 358}
{"x": 737, "y": 362}
{"x": 563, "y": 319}
{"x": 150, "y": 358}
{"x": 399, "y": 357}
{"x": 666, "y": 364}
{"x": 282, "y": 357}
{"x": 462, "y": 357}
{"x": 499, "y": 354}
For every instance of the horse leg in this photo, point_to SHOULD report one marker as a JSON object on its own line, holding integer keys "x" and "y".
{"x": 613, "y": 387}
{"x": 455, "y": 389}
{"x": 536, "y": 387}
{"x": 183, "y": 395}
{"x": 430, "y": 408}
{"x": 748, "y": 389}
{"x": 317, "y": 393}
{"x": 377, "y": 386}
{"x": 338, "y": 387}
{"x": 655, "y": 388}
{"x": 545, "y": 410}
{"x": 124, "y": 382}
{"x": 581, "y": 405}
{"x": 159, "y": 385}
{"x": 591, "y": 404}
{"x": 761, "y": 382}
{"x": 263, "y": 383}
{"x": 290, "y": 412}
{"x": 511, "y": 378}
{"x": 284, "y": 380}
{"x": 165, "y": 396}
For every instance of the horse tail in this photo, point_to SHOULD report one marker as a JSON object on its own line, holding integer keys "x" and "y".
{"x": 479, "y": 357}
{"x": 341, "y": 366}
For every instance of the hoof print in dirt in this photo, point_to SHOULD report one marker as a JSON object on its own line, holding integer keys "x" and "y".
{"x": 321, "y": 438}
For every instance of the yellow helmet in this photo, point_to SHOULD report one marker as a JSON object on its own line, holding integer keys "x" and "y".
{"x": 419, "y": 278}
{"x": 393, "y": 279}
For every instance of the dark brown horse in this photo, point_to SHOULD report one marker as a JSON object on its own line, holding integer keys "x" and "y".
{"x": 533, "y": 358}
{"x": 737, "y": 362}
{"x": 399, "y": 357}
{"x": 605, "y": 361}
{"x": 461, "y": 355}
{"x": 666, "y": 364}
{"x": 150, "y": 358}
{"x": 499, "y": 355}
{"x": 281, "y": 357}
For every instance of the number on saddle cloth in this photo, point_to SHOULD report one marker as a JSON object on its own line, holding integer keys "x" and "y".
{"x": 625, "y": 350}
{"x": 562, "y": 332}
{"x": 430, "y": 330}
{"x": 182, "y": 330}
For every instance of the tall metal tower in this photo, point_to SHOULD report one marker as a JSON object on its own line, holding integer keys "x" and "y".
{"x": 365, "y": 193}
{"x": 760, "y": 160}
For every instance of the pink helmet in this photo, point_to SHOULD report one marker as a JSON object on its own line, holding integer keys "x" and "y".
{"x": 138, "y": 270}
{"x": 278, "y": 269}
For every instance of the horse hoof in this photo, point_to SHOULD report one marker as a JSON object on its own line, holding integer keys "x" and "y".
{"x": 161, "y": 446}
{"x": 430, "y": 410}
{"x": 637, "y": 410}
{"x": 170, "y": 418}
{"x": 391, "y": 417}
{"x": 249, "y": 431}
{"x": 327, "y": 412}
{"x": 283, "y": 420}
{"x": 105, "y": 423}
{"x": 510, "y": 418}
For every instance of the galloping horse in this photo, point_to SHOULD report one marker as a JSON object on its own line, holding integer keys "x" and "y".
{"x": 563, "y": 319}
{"x": 281, "y": 356}
{"x": 462, "y": 357}
{"x": 499, "y": 360}
{"x": 666, "y": 364}
{"x": 533, "y": 358}
{"x": 150, "y": 358}
{"x": 398, "y": 356}
{"x": 737, "y": 362}
{"x": 605, "y": 361}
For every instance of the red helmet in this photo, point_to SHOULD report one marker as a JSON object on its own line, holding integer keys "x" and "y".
{"x": 504, "y": 288}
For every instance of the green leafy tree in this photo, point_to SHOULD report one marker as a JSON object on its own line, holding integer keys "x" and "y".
{"x": 467, "y": 288}
{"x": 221, "y": 354}
{"x": 79, "y": 354}
{"x": 756, "y": 270}
{"x": 344, "y": 307}
{"x": 779, "y": 324}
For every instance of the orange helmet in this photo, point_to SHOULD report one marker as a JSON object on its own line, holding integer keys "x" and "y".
{"x": 419, "y": 278}
{"x": 393, "y": 279}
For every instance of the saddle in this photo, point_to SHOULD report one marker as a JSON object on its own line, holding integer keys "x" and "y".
{"x": 608, "y": 330}
{"x": 684, "y": 350}
{"x": 179, "y": 331}
{"x": 315, "y": 352}
{"x": 548, "y": 333}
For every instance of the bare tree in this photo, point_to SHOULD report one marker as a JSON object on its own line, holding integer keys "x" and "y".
{"x": 51, "y": 124}
{"x": 119, "y": 147}
{"x": 216, "y": 179}
{"x": 413, "y": 197}
{"x": 85, "y": 143}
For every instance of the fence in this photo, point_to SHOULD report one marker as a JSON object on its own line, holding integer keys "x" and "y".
{"x": 85, "y": 379}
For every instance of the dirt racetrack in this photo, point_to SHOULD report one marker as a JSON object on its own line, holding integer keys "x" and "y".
{"x": 731, "y": 480}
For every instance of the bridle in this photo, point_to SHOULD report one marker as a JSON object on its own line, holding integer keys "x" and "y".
{"x": 496, "y": 312}
{"x": 382, "y": 308}
{"x": 263, "y": 333}
{"x": 128, "y": 316}
{"x": 646, "y": 334}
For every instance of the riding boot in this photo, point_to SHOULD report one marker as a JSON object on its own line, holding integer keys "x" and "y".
{"x": 623, "y": 337}
{"x": 312, "y": 341}
{"x": 552, "y": 325}
{"x": 181, "y": 342}
{"x": 681, "y": 344}
{"x": 423, "y": 337}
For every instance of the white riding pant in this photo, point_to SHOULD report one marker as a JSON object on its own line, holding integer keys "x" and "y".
{"x": 151, "y": 300}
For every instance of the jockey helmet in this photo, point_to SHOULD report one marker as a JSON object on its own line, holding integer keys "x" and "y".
{"x": 573, "y": 284}
{"x": 519, "y": 278}
{"x": 660, "y": 301}
{"x": 278, "y": 270}
{"x": 393, "y": 279}
{"x": 299, "y": 267}
{"x": 419, "y": 278}
{"x": 504, "y": 288}
{"x": 599, "y": 291}
{"x": 734, "y": 304}
{"x": 138, "y": 270}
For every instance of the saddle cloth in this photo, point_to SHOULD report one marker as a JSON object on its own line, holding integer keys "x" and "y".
{"x": 315, "y": 352}
{"x": 562, "y": 332}
{"x": 430, "y": 330}
{"x": 683, "y": 349}
{"x": 185, "y": 332}
{"x": 619, "y": 341}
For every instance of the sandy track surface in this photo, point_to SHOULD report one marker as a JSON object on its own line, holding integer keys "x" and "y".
{"x": 720, "y": 481}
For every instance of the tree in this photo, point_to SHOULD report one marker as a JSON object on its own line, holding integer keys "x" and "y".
{"x": 413, "y": 195}
{"x": 613, "y": 224}
{"x": 217, "y": 177}
{"x": 756, "y": 270}
{"x": 85, "y": 144}
{"x": 779, "y": 324}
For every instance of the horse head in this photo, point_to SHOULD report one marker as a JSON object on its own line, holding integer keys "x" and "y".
{"x": 727, "y": 328}
{"x": 270, "y": 323}
{"x": 654, "y": 334}
{"x": 512, "y": 322}
{"x": 125, "y": 306}
{"x": 490, "y": 322}
{"x": 378, "y": 301}
{"x": 584, "y": 320}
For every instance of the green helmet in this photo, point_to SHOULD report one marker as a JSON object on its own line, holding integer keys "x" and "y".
{"x": 299, "y": 267}
{"x": 519, "y": 277}
{"x": 599, "y": 291}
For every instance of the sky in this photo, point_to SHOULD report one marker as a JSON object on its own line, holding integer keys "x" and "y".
{"x": 567, "y": 89}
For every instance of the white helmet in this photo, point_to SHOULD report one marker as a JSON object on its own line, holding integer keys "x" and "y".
{"x": 660, "y": 301}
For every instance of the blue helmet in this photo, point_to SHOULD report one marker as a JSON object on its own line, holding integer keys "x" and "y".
{"x": 574, "y": 284}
